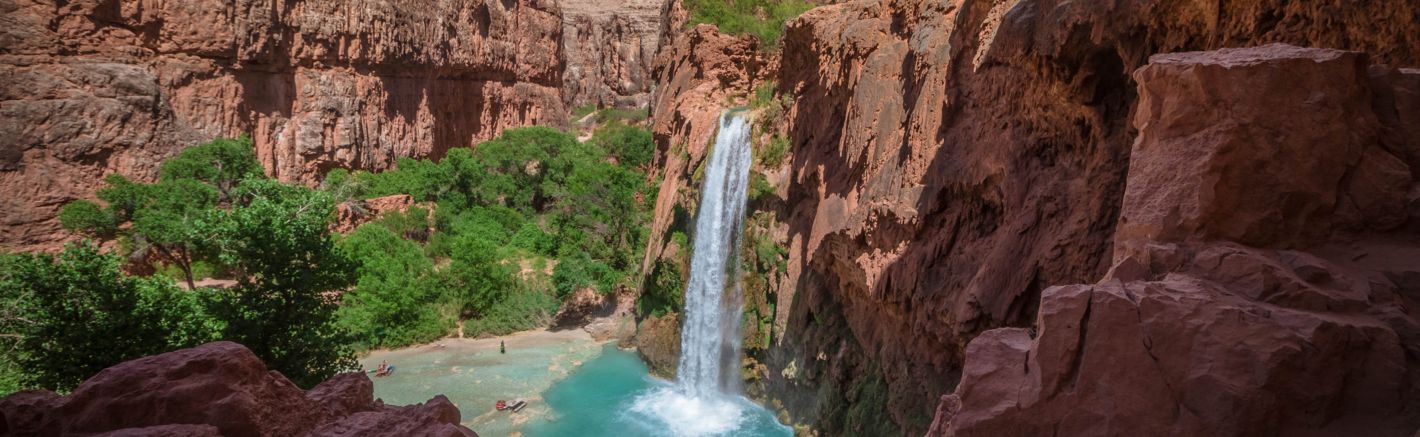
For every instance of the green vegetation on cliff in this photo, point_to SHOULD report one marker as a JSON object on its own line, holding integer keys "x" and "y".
{"x": 762, "y": 18}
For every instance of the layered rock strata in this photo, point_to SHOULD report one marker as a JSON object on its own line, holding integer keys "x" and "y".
{"x": 219, "y": 389}
{"x": 954, "y": 159}
{"x": 609, "y": 47}
{"x": 114, "y": 86}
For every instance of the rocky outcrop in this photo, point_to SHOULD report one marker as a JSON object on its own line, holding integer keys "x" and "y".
{"x": 353, "y": 213}
{"x": 951, "y": 160}
{"x": 1207, "y": 325}
{"x": 218, "y": 389}
{"x": 609, "y": 46}
{"x": 114, "y": 86}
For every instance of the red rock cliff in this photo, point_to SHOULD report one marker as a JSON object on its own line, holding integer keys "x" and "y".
{"x": 954, "y": 160}
{"x": 114, "y": 86}
{"x": 610, "y": 46}
{"x": 1263, "y": 282}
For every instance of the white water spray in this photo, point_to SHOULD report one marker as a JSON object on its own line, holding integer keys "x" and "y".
{"x": 705, "y": 399}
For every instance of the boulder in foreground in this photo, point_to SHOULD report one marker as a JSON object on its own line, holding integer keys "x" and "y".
{"x": 219, "y": 389}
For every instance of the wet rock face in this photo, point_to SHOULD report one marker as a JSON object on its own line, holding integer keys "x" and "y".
{"x": 953, "y": 159}
{"x": 696, "y": 77}
{"x": 218, "y": 389}
{"x": 610, "y": 46}
{"x": 1208, "y": 324}
{"x": 97, "y": 87}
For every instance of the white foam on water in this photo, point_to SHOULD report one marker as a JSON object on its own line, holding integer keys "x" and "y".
{"x": 669, "y": 411}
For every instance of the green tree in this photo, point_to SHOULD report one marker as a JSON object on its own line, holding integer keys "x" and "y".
{"x": 632, "y": 146}
{"x": 290, "y": 273}
{"x": 392, "y": 300}
{"x": 171, "y": 223}
{"x": 476, "y": 277}
{"x": 89, "y": 218}
{"x": 83, "y": 315}
{"x": 222, "y": 163}
{"x": 164, "y": 216}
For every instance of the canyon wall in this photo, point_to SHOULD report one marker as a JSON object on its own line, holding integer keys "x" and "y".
{"x": 610, "y": 46}
{"x": 1264, "y": 279}
{"x": 114, "y": 86}
{"x": 952, "y": 161}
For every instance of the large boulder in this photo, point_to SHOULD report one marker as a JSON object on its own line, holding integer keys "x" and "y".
{"x": 1217, "y": 157}
{"x": 220, "y": 388}
{"x": 222, "y": 384}
{"x": 436, "y": 418}
{"x": 1182, "y": 356}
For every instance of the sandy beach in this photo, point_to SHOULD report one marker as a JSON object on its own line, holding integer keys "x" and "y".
{"x": 474, "y": 375}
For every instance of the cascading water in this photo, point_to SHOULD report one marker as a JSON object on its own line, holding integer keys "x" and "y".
{"x": 710, "y": 335}
{"x": 705, "y": 399}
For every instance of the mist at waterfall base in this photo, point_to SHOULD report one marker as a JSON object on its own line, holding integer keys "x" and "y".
{"x": 704, "y": 400}
{"x": 613, "y": 395}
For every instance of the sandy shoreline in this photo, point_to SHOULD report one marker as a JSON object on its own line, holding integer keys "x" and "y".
{"x": 473, "y": 374}
{"x": 534, "y": 338}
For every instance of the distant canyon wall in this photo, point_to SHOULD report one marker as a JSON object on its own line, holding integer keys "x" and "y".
{"x": 114, "y": 86}
{"x": 954, "y": 160}
{"x": 610, "y": 46}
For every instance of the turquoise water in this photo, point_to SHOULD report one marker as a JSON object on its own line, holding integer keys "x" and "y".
{"x": 574, "y": 386}
{"x": 614, "y": 395}
{"x": 474, "y": 375}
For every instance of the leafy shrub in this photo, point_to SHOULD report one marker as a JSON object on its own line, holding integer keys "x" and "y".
{"x": 772, "y": 154}
{"x": 583, "y": 111}
{"x": 532, "y": 238}
{"x": 665, "y": 292}
{"x": 759, "y": 186}
{"x": 84, "y": 315}
{"x": 762, "y": 18}
{"x": 396, "y": 285}
{"x": 632, "y": 147}
{"x": 525, "y": 308}
{"x": 89, "y": 218}
{"x": 763, "y": 95}
{"x": 581, "y": 271}
{"x": 476, "y": 278}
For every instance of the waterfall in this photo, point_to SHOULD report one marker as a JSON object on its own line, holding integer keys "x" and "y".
{"x": 710, "y": 337}
{"x": 705, "y": 399}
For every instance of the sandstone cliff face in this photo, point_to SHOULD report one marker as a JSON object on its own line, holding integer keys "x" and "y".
{"x": 219, "y": 389}
{"x": 114, "y": 86}
{"x": 1212, "y": 322}
{"x": 952, "y": 160}
{"x": 609, "y": 46}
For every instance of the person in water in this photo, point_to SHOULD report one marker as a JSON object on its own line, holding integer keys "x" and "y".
{"x": 501, "y": 348}
{"x": 384, "y": 369}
